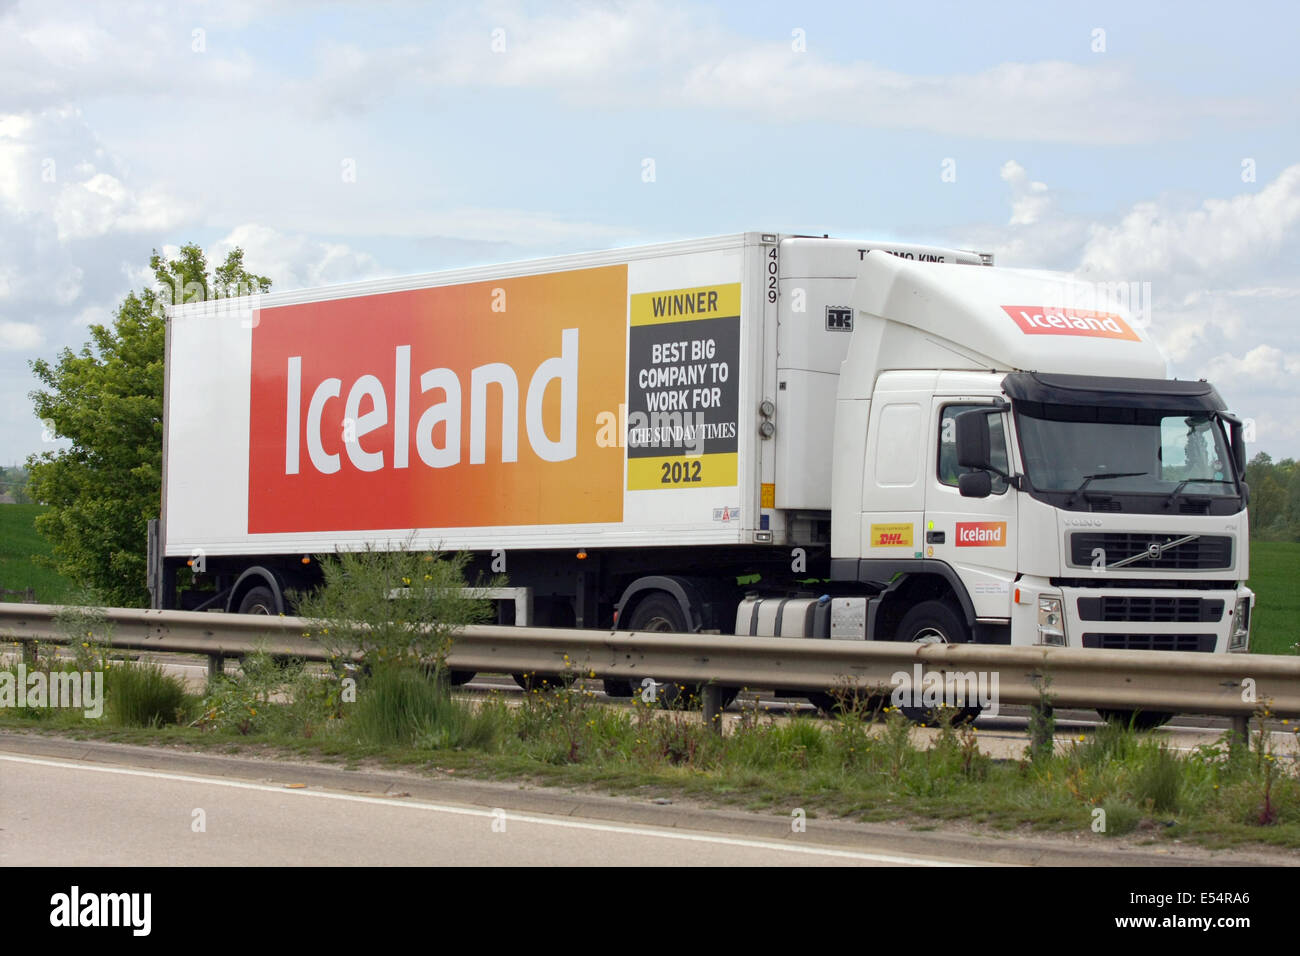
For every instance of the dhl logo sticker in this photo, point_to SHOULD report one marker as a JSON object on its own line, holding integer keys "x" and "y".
{"x": 891, "y": 535}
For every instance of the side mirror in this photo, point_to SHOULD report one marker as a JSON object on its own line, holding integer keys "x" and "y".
{"x": 1239, "y": 448}
{"x": 975, "y": 484}
{"x": 1237, "y": 436}
{"x": 973, "y": 444}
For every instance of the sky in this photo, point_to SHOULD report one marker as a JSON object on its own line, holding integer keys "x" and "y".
{"x": 1156, "y": 144}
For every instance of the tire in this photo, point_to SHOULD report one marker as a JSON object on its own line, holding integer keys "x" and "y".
{"x": 459, "y": 678}
{"x": 1136, "y": 719}
{"x": 935, "y": 622}
{"x": 259, "y": 600}
{"x": 532, "y": 682}
{"x": 660, "y": 612}
{"x": 868, "y": 705}
{"x": 614, "y": 687}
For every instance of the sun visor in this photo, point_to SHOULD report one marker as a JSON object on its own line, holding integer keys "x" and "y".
{"x": 1171, "y": 396}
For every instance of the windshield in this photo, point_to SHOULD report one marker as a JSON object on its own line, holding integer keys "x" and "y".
{"x": 1124, "y": 451}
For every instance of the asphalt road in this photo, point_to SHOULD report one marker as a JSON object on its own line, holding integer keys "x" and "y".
{"x": 76, "y": 803}
{"x": 71, "y": 812}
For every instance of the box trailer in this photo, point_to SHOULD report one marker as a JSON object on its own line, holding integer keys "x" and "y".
{"x": 881, "y": 440}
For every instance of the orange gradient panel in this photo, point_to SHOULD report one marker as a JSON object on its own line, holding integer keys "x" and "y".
{"x": 1043, "y": 320}
{"x": 558, "y": 341}
{"x": 981, "y": 534}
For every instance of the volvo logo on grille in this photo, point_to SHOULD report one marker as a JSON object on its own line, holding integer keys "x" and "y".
{"x": 1154, "y": 551}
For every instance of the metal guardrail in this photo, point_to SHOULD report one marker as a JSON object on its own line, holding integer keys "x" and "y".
{"x": 1234, "y": 685}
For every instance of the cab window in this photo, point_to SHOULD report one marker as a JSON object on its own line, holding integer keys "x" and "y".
{"x": 948, "y": 469}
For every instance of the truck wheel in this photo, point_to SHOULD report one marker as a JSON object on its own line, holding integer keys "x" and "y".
{"x": 1136, "y": 719}
{"x": 868, "y": 705}
{"x": 258, "y": 600}
{"x": 459, "y": 678}
{"x": 617, "y": 687}
{"x": 935, "y": 622}
{"x": 659, "y": 612}
{"x": 542, "y": 681}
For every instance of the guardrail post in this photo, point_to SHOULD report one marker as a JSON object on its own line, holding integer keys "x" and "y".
{"x": 1240, "y": 735}
{"x": 713, "y": 708}
{"x": 216, "y": 666}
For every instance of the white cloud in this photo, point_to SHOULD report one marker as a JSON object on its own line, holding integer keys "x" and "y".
{"x": 666, "y": 55}
{"x": 520, "y": 228}
{"x": 294, "y": 261}
{"x": 93, "y": 315}
{"x": 1030, "y": 199}
{"x": 1264, "y": 366}
{"x": 78, "y": 199}
{"x": 20, "y": 336}
{"x": 56, "y": 51}
{"x": 102, "y": 203}
{"x": 67, "y": 285}
{"x": 1209, "y": 239}
{"x": 1038, "y": 101}
{"x": 1037, "y": 233}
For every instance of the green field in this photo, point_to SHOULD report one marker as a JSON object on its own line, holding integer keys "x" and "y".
{"x": 1275, "y": 579}
{"x": 18, "y": 542}
{"x": 1274, "y": 565}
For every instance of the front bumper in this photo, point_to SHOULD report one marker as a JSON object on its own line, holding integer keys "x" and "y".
{"x": 1134, "y": 618}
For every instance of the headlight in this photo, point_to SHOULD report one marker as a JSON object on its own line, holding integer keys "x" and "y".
{"x": 1051, "y": 621}
{"x": 1240, "y": 638}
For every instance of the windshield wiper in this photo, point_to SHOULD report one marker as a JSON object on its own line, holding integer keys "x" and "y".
{"x": 1106, "y": 474}
{"x": 1173, "y": 495}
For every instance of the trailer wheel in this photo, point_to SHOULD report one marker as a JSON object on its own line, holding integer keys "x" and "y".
{"x": 867, "y": 705}
{"x": 617, "y": 687}
{"x": 540, "y": 682}
{"x": 935, "y": 622}
{"x": 660, "y": 612}
{"x": 258, "y": 600}
{"x": 1136, "y": 719}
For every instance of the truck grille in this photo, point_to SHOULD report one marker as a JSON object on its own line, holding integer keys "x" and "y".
{"x": 1202, "y": 553}
{"x": 1151, "y": 642}
{"x": 1166, "y": 609}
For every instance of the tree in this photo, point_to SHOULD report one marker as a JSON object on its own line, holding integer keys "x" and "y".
{"x": 1274, "y": 498}
{"x": 14, "y": 482}
{"x": 108, "y": 401}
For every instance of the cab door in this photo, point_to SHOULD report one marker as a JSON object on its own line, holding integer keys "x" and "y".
{"x": 975, "y": 536}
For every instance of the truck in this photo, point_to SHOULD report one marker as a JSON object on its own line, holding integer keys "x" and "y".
{"x": 761, "y": 434}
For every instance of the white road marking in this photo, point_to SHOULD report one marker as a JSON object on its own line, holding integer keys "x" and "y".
{"x": 520, "y": 818}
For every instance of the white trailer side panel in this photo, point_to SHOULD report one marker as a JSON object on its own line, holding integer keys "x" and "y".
{"x": 588, "y": 401}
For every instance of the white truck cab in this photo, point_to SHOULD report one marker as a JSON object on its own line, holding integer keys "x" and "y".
{"x": 1026, "y": 464}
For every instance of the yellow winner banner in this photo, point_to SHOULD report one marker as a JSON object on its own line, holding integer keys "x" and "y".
{"x": 686, "y": 305}
{"x": 680, "y": 471}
